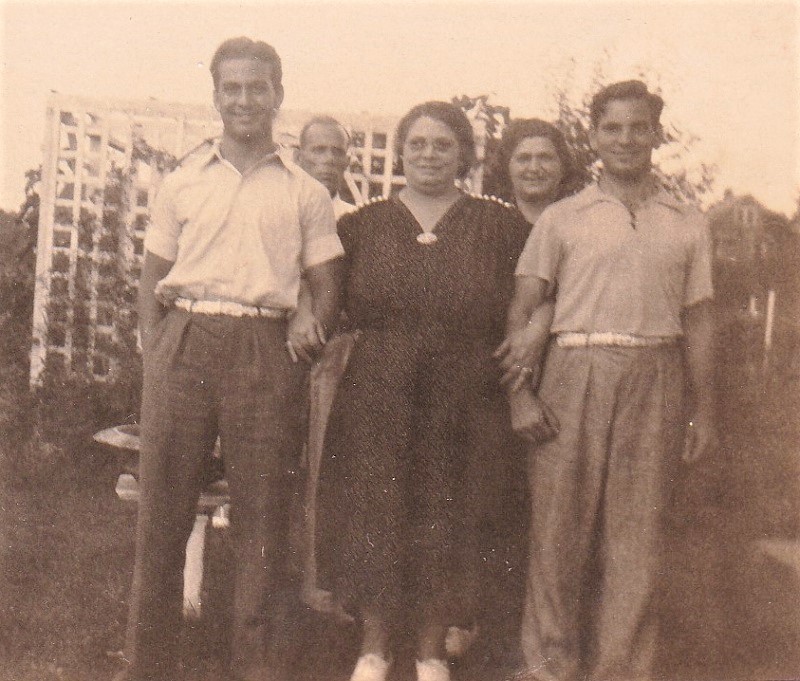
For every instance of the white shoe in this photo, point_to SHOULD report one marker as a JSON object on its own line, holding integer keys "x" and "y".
{"x": 433, "y": 670}
{"x": 459, "y": 640}
{"x": 370, "y": 667}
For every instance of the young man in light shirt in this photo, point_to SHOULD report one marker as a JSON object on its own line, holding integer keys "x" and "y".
{"x": 231, "y": 233}
{"x": 630, "y": 269}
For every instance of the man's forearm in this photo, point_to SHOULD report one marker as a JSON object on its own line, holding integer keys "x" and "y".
{"x": 529, "y": 294}
{"x": 150, "y": 310}
{"x": 538, "y": 327}
{"x": 698, "y": 327}
{"x": 304, "y": 298}
{"x": 519, "y": 312}
{"x": 324, "y": 280}
{"x": 527, "y": 330}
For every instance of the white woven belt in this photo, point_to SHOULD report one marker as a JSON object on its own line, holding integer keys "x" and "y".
{"x": 624, "y": 340}
{"x": 230, "y": 309}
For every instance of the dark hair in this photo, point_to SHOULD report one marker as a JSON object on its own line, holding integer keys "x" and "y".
{"x": 498, "y": 181}
{"x": 627, "y": 89}
{"x": 323, "y": 120}
{"x": 453, "y": 117}
{"x": 245, "y": 48}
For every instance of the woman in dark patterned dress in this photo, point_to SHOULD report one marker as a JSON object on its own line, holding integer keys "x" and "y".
{"x": 419, "y": 411}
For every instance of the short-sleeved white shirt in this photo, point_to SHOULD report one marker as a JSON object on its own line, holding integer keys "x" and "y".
{"x": 617, "y": 274}
{"x": 342, "y": 207}
{"x": 237, "y": 237}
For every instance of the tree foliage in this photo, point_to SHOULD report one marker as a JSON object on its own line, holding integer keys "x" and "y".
{"x": 106, "y": 271}
{"x": 689, "y": 182}
{"x": 69, "y": 404}
{"x": 493, "y": 116}
{"x": 18, "y": 232}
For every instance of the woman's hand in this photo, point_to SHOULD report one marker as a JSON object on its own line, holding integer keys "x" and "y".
{"x": 531, "y": 418}
{"x": 520, "y": 354}
{"x": 520, "y": 357}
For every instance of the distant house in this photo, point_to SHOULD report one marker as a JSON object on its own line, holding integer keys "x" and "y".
{"x": 740, "y": 246}
{"x": 750, "y": 244}
{"x": 755, "y": 252}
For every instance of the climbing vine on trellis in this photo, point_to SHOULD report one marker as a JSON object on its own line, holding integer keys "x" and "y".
{"x": 95, "y": 314}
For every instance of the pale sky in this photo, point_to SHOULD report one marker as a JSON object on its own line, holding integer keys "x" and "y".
{"x": 728, "y": 71}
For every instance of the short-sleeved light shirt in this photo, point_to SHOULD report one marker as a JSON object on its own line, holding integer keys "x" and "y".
{"x": 617, "y": 274}
{"x": 236, "y": 237}
{"x": 342, "y": 207}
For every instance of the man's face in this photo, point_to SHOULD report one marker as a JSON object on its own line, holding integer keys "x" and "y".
{"x": 246, "y": 98}
{"x": 324, "y": 155}
{"x": 624, "y": 138}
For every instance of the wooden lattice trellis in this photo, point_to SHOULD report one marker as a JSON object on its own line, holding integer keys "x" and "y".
{"x": 86, "y": 142}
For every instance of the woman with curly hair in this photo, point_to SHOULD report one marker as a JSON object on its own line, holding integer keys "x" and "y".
{"x": 532, "y": 167}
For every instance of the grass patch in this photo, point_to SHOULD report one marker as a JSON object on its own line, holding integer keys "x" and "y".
{"x": 67, "y": 546}
{"x": 66, "y": 567}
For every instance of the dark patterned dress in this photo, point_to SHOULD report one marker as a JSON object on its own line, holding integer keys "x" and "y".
{"x": 418, "y": 420}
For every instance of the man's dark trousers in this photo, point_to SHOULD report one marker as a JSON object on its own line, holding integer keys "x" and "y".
{"x": 207, "y": 376}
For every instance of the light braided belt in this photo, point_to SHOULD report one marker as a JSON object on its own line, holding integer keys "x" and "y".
{"x": 609, "y": 338}
{"x": 230, "y": 309}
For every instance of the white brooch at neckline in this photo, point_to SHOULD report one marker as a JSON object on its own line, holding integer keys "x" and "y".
{"x": 427, "y": 238}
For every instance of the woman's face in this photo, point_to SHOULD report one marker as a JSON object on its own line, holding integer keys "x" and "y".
{"x": 431, "y": 156}
{"x": 535, "y": 170}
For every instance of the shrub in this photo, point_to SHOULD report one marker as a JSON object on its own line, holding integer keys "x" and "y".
{"x": 100, "y": 385}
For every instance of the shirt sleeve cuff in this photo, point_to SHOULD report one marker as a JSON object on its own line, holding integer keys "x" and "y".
{"x": 160, "y": 245}
{"x": 321, "y": 250}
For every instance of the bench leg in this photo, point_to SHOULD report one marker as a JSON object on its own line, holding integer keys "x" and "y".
{"x": 193, "y": 569}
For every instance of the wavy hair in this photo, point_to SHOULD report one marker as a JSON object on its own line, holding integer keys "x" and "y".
{"x": 626, "y": 90}
{"x": 498, "y": 182}
{"x": 246, "y": 48}
{"x": 451, "y": 116}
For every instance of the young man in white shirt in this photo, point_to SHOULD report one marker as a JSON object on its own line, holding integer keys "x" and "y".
{"x": 232, "y": 231}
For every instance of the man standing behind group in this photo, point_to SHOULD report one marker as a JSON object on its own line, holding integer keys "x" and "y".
{"x": 231, "y": 232}
{"x": 630, "y": 267}
{"x": 323, "y": 154}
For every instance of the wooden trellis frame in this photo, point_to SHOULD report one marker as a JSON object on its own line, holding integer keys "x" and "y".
{"x": 84, "y": 138}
